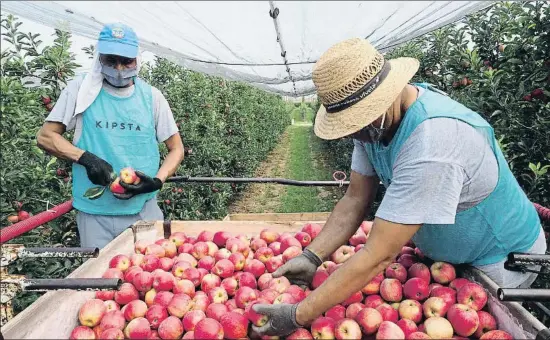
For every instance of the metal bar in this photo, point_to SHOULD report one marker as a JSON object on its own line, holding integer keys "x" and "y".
{"x": 254, "y": 180}
{"x": 518, "y": 294}
{"x": 88, "y": 284}
{"x": 524, "y": 258}
{"x": 59, "y": 252}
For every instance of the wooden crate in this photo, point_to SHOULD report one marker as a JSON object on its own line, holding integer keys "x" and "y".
{"x": 279, "y": 217}
{"x": 55, "y": 314}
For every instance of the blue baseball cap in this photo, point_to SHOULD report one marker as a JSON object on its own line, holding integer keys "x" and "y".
{"x": 118, "y": 39}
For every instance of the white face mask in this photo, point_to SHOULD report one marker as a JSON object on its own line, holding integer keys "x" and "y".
{"x": 118, "y": 78}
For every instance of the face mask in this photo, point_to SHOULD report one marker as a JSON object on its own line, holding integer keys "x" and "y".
{"x": 118, "y": 78}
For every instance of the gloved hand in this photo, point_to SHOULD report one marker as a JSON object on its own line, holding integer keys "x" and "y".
{"x": 98, "y": 170}
{"x": 281, "y": 319}
{"x": 146, "y": 184}
{"x": 301, "y": 269}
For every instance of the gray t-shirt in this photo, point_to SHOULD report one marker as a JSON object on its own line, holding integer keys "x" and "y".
{"x": 63, "y": 111}
{"x": 444, "y": 167}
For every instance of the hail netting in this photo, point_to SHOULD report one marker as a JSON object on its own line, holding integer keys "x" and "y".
{"x": 237, "y": 40}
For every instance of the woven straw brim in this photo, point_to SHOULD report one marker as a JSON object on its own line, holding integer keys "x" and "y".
{"x": 340, "y": 124}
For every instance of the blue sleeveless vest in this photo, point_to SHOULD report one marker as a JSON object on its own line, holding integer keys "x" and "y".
{"x": 506, "y": 221}
{"x": 122, "y": 131}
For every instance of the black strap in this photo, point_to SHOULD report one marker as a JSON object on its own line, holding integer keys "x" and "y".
{"x": 363, "y": 92}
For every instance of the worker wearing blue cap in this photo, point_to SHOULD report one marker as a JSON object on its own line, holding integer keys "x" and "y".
{"x": 118, "y": 121}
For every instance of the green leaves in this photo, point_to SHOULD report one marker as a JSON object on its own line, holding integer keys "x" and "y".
{"x": 94, "y": 192}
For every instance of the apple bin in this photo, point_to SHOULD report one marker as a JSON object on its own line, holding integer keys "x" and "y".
{"x": 56, "y": 313}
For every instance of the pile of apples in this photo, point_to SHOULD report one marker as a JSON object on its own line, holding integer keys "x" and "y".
{"x": 204, "y": 287}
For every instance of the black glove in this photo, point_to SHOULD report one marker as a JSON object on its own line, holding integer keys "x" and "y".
{"x": 147, "y": 184}
{"x": 281, "y": 319}
{"x": 98, "y": 170}
{"x": 301, "y": 269}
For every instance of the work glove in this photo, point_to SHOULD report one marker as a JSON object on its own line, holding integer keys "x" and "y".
{"x": 98, "y": 170}
{"x": 281, "y": 319}
{"x": 146, "y": 185}
{"x": 301, "y": 269}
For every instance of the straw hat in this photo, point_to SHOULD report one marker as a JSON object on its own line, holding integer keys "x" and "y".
{"x": 356, "y": 85}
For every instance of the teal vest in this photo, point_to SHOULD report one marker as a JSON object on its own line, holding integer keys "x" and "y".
{"x": 506, "y": 221}
{"x": 122, "y": 131}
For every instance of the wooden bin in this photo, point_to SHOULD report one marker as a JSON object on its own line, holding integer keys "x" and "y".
{"x": 55, "y": 314}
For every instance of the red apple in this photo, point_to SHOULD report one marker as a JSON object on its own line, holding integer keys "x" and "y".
{"x": 457, "y": 283}
{"x": 296, "y": 292}
{"x": 353, "y": 309}
{"x": 263, "y": 254}
{"x": 149, "y": 297}
{"x": 418, "y": 336}
{"x": 257, "y": 319}
{"x": 140, "y": 246}
{"x": 257, "y": 243}
{"x": 179, "y": 305}
{"x": 496, "y": 334}
{"x": 238, "y": 260}
{"x": 343, "y": 254}
{"x": 155, "y": 249}
{"x": 143, "y": 281}
{"x": 82, "y": 332}
{"x": 284, "y": 298}
{"x": 391, "y": 290}
{"x": 269, "y": 295}
{"x": 136, "y": 259}
{"x": 201, "y": 301}
{"x": 244, "y": 296}
{"x": 358, "y": 238}
{"x": 218, "y": 295}
{"x": 337, "y": 312}
{"x": 137, "y": 329}
{"x": 291, "y": 253}
{"x": 369, "y": 319}
{"x": 163, "y": 298}
{"x": 396, "y": 271}
{"x": 255, "y": 267}
{"x": 300, "y": 334}
{"x": 166, "y": 263}
{"x": 434, "y": 285}
{"x": 170, "y": 249}
{"x": 189, "y": 335}
{"x": 438, "y": 328}
{"x": 389, "y": 330}
{"x": 373, "y": 287}
{"x": 388, "y": 312}
{"x": 246, "y": 279}
{"x": 421, "y": 271}
{"x": 155, "y": 315}
{"x": 312, "y": 229}
{"x": 187, "y": 258}
{"x": 216, "y": 310}
{"x": 222, "y": 254}
{"x": 200, "y": 250}
{"x": 111, "y": 333}
{"x": 193, "y": 275}
{"x": 355, "y": 297}
{"x": 373, "y": 301}
{"x": 410, "y": 309}
{"x": 135, "y": 309}
{"x": 170, "y": 328}
{"x": 486, "y": 323}
{"x": 192, "y": 318}
{"x": 185, "y": 248}
{"x": 446, "y": 293}
{"x": 443, "y": 272}
{"x": 407, "y": 326}
{"x": 178, "y": 238}
{"x": 185, "y": 287}
{"x": 303, "y": 238}
{"x": 205, "y": 236}
{"x": 323, "y": 328}
{"x": 416, "y": 289}
{"x": 236, "y": 245}
{"x": 230, "y": 285}
{"x": 235, "y": 325}
{"x": 407, "y": 260}
{"x": 276, "y": 247}
{"x": 264, "y": 280}
{"x": 269, "y": 236}
{"x": 207, "y": 263}
{"x": 126, "y": 293}
{"x": 111, "y": 305}
{"x": 150, "y": 262}
{"x": 347, "y": 329}
{"x": 120, "y": 262}
{"x": 279, "y": 284}
{"x": 463, "y": 319}
{"x": 472, "y": 295}
{"x": 164, "y": 281}
{"x": 318, "y": 279}
{"x": 113, "y": 319}
{"x": 435, "y": 306}
{"x": 419, "y": 253}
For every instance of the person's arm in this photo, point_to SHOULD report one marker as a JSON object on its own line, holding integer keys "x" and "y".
{"x": 50, "y": 138}
{"x": 173, "y": 159}
{"x": 346, "y": 216}
{"x": 384, "y": 243}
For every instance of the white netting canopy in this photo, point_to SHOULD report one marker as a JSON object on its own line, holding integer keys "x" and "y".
{"x": 270, "y": 44}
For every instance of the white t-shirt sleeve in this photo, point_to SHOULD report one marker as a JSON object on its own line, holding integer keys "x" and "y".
{"x": 164, "y": 119}
{"x": 63, "y": 110}
{"x": 359, "y": 160}
{"x": 428, "y": 176}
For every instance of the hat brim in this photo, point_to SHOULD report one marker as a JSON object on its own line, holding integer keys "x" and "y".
{"x": 116, "y": 48}
{"x": 343, "y": 123}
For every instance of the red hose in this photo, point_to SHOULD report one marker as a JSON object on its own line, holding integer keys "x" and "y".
{"x": 32, "y": 222}
{"x": 544, "y": 213}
